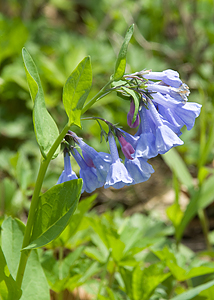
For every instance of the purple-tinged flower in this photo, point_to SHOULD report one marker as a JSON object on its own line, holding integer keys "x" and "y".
{"x": 129, "y": 138}
{"x": 67, "y": 173}
{"x": 165, "y": 138}
{"x": 155, "y": 136}
{"x": 88, "y": 159}
{"x": 100, "y": 160}
{"x": 88, "y": 174}
{"x": 130, "y": 116}
{"x": 146, "y": 146}
{"x": 139, "y": 169}
{"x": 126, "y": 147}
{"x": 169, "y": 77}
{"x": 180, "y": 94}
{"x": 118, "y": 175}
{"x": 178, "y": 115}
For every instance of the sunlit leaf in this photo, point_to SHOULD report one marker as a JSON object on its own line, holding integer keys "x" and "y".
{"x": 200, "y": 200}
{"x": 194, "y": 291}
{"x": 121, "y": 60}
{"x": 8, "y": 287}
{"x": 177, "y": 165}
{"x": 76, "y": 90}
{"x": 145, "y": 281}
{"x": 12, "y": 233}
{"x": 55, "y": 208}
{"x": 45, "y": 128}
{"x": 35, "y": 285}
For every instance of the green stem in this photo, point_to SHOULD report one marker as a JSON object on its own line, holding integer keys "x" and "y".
{"x": 98, "y": 96}
{"x": 42, "y": 171}
{"x": 204, "y": 225}
{"x": 34, "y": 203}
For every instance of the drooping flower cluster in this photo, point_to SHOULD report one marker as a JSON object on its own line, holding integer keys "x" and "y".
{"x": 161, "y": 110}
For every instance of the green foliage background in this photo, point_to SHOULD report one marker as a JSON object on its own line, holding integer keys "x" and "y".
{"x": 59, "y": 34}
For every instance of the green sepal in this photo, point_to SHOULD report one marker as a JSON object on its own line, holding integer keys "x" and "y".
{"x": 136, "y": 97}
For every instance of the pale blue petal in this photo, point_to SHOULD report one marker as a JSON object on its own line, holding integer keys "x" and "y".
{"x": 139, "y": 169}
{"x": 118, "y": 176}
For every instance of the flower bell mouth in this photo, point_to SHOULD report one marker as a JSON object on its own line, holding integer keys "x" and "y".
{"x": 183, "y": 91}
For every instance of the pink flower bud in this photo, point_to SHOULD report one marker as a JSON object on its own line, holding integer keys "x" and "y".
{"x": 126, "y": 147}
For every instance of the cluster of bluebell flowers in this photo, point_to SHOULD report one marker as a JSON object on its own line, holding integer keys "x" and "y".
{"x": 159, "y": 109}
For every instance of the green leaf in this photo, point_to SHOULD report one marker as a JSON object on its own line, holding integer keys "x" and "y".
{"x": 200, "y": 199}
{"x": 35, "y": 285}
{"x": 12, "y": 233}
{"x": 55, "y": 208}
{"x": 177, "y": 165}
{"x": 46, "y": 130}
{"x": 145, "y": 281}
{"x": 121, "y": 60}
{"x": 194, "y": 292}
{"x": 76, "y": 90}
{"x": 136, "y": 98}
{"x": 178, "y": 272}
{"x": 8, "y": 287}
{"x": 73, "y": 282}
{"x": 74, "y": 223}
{"x": 117, "y": 247}
{"x": 22, "y": 169}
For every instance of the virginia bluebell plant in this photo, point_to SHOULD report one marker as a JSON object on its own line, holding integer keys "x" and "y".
{"x": 158, "y": 111}
{"x": 159, "y": 108}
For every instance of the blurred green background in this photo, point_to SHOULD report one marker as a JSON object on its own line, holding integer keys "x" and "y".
{"x": 58, "y": 34}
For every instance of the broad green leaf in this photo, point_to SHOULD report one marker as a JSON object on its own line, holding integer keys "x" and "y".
{"x": 145, "y": 281}
{"x": 135, "y": 97}
{"x": 35, "y": 285}
{"x": 46, "y": 130}
{"x": 177, "y": 165}
{"x": 12, "y": 233}
{"x": 200, "y": 199}
{"x": 121, "y": 60}
{"x": 76, "y": 90}
{"x": 194, "y": 292}
{"x": 8, "y": 287}
{"x": 55, "y": 208}
{"x": 74, "y": 223}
